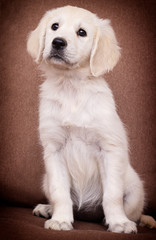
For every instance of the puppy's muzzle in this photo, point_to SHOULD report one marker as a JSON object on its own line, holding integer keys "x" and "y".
{"x": 59, "y": 43}
{"x": 58, "y": 51}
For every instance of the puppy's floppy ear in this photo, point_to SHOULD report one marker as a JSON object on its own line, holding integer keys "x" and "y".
{"x": 106, "y": 52}
{"x": 36, "y": 39}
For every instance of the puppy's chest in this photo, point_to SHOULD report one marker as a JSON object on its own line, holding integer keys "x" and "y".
{"x": 73, "y": 110}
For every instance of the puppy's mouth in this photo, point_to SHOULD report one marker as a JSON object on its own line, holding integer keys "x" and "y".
{"x": 58, "y": 58}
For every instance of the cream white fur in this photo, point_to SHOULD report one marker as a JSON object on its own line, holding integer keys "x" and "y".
{"x": 84, "y": 141}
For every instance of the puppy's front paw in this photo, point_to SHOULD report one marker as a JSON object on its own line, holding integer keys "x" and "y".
{"x": 125, "y": 227}
{"x": 58, "y": 225}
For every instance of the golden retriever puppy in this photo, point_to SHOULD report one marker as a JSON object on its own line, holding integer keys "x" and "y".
{"x": 84, "y": 141}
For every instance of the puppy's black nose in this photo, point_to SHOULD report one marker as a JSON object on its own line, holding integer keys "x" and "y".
{"x": 59, "y": 43}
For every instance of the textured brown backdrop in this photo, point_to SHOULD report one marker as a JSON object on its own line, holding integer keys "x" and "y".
{"x": 132, "y": 81}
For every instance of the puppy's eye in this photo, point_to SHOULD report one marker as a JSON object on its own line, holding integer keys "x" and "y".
{"x": 81, "y": 32}
{"x": 55, "y": 26}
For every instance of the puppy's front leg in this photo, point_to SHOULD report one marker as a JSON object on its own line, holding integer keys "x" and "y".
{"x": 113, "y": 195}
{"x": 58, "y": 191}
{"x": 114, "y": 163}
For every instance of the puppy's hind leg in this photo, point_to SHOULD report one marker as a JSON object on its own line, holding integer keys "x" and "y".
{"x": 134, "y": 202}
{"x": 134, "y": 196}
{"x": 133, "y": 206}
{"x": 43, "y": 210}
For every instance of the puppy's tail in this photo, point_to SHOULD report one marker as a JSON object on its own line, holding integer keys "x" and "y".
{"x": 147, "y": 221}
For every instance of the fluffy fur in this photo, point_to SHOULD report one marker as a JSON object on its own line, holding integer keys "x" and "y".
{"x": 84, "y": 141}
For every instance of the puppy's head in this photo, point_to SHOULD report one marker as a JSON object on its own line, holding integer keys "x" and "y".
{"x": 71, "y": 37}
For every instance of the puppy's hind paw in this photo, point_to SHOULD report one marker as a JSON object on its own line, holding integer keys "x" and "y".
{"x": 147, "y": 221}
{"x": 43, "y": 210}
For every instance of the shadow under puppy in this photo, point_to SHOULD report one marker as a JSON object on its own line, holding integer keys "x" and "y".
{"x": 84, "y": 141}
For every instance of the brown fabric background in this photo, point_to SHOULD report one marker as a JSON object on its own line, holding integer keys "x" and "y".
{"x": 22, "y": 226}
{"x": 132, "y": 82}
